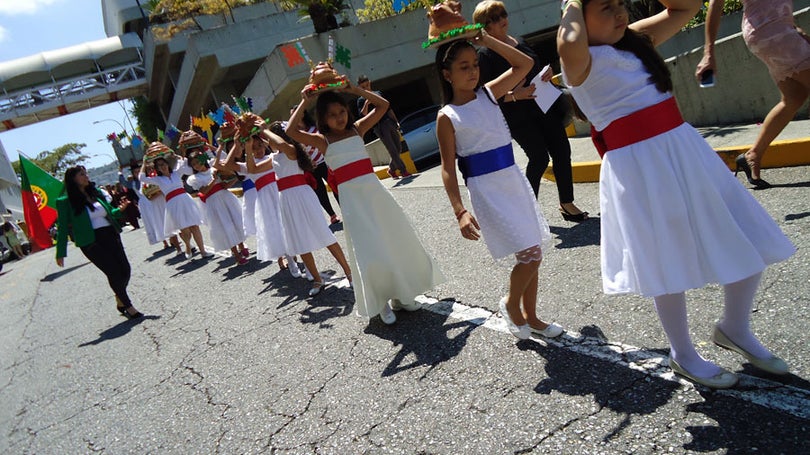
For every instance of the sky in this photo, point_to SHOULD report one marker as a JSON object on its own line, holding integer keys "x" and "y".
{"x": 28, "y": 27}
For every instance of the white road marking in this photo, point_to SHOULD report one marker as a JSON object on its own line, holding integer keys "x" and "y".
{"x": 769, "y": 394}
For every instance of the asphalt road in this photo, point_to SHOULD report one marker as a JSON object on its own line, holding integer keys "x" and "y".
{"x": 236, "y": 359}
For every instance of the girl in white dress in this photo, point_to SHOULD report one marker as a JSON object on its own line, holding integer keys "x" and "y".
{"x": 223, "y": 212}
{"x": 182, "y": 212}
{"x": 673, "y": 216}
{"x": 387, "y": 259}
{"x": 152, "y": 205}
{"x": 305, "y": 227}
{"x": 270, "y": 240}
{"x": 471, "y": 127}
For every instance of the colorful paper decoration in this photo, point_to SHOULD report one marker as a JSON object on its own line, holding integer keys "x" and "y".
{"x": 344, "y": 56}
{"x": 292, "y": 55}
{"x": 303, "y": 52}
{"x": 399, "y": 5}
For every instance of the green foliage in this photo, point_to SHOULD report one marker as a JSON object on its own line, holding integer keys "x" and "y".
{"x": 161, "y": 11}
{"x": 147, "y": 116}
{"x": 380, "y": 9}
{"x": 58, "y": 160}
{"x": 729, "y": 6}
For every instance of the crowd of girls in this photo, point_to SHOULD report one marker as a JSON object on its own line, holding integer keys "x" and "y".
{"x": 653, "y": 243}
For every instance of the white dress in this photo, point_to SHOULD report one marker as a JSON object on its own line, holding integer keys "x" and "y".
{"x": 503, "y": 202}
{"x": 387, "y": 259}
{"x": 223, "y": 213}
{"x": 305, "y": 228}
{"x": 181, "y": 210}
{"x": 152, "y": 214}
{"x": 270, "y": 243}
{"x": 673, "y": 217}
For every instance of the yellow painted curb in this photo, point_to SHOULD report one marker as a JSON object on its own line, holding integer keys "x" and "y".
{"x": 786, "y": 153}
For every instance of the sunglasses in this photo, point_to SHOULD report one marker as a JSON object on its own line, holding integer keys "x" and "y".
{"x": 497, "y": 17}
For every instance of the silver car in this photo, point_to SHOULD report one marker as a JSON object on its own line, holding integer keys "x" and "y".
{"x": 419, "y": 131}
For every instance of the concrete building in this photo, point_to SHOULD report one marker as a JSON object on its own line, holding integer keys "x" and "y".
{"x": 10, "y": 195}
{"x": 195, "y": 65}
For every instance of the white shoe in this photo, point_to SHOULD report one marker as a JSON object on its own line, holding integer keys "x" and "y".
{"x": 397, "y": 305}
{"x": 316, "y": 288}
{"x": 294, "y": 271}
{"x": 207, "y": 254}
{"x": 387, "y": 315}
{"x": 307, "y": 274}
{"x": 552, "y": 331}
{"x": 522, "y": 332}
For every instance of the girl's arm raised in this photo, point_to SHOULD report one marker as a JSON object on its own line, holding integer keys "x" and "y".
{"x": 572, "y": 43}
{"x": 315, "y": 140}
{"x": 667, "y": 23}
{"x": 368, "y": 121}
{"x": 446, "y": 135}
{"x": 252, "y": 166}
{"x": 230, "y": 160}
{"x": 520, "y": 62}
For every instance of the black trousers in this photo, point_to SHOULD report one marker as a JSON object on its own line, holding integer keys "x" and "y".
{"x": 320, "y": 172}
{"x": 540, "y": 137}
{"x": 107, "y": 253}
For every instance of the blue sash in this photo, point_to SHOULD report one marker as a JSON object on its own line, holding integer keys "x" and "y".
{"x": 248, "y": 184}
{"x": 486, "y": 162}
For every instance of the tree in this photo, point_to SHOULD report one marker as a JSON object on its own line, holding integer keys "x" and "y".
{"x": 58, "y": 160}
{"x": 147, "y": 115}
{"x": 380, "y": 9}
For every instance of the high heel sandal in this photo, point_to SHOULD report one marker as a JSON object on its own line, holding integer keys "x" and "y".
{"x": 124, "y": 310}
{"x": 742, "y": 165}
{"x": 575, "y": 217}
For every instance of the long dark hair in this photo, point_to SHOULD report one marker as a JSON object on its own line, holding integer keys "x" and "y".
{"x": 157, "y": 171}
{"x": 321, "y": 106}
{"x": 304, "y": 162}
{"x": 642, "y": 47}
{"x": 77, "y": 199}
{"x": 445, "y": 57}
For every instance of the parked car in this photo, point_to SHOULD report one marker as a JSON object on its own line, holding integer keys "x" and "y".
{"x": 419, "y": 130}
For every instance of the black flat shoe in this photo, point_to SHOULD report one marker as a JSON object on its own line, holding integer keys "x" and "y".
{"x": 742, "y": 165}
{"x": 576, "y": 218}
{"x": 127, "y": 311}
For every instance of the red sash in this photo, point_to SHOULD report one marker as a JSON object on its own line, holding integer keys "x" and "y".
{"x": 174, "y": 193}
{"x": 353, "y": 170}
{"x": 214, "y": 189}
{"x": 638, "y": 126}
{"x": 265, "y": 180}
{"x": 285, "y": 183}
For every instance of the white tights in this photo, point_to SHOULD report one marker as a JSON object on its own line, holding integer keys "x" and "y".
{"x": 738, "y": 301}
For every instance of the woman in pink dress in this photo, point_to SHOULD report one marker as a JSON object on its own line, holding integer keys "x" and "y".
{"x": 770, "y": 34}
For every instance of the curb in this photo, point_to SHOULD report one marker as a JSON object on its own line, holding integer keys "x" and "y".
{"x": 785, "y": 153}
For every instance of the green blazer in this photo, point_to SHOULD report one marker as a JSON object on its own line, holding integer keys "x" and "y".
{"x": 79, "y": 226}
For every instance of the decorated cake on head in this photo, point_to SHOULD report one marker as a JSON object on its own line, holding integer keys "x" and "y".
{"x": 324, "y": 77}
{"x": 190, "y": 140}
{"x": 447, "y": 24}
{"x": 158, "y": 150}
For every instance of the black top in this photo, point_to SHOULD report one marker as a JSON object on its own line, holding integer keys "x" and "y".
{"x": 361, "y": 101}
{"x": 492, "y": 65}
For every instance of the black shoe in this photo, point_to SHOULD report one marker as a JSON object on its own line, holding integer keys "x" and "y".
{"x": 576, "y": 218}
{"x": 742, "y": 165}
{"x": 130, "y": 312}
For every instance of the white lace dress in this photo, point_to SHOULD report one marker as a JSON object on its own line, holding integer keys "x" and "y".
{"x": 502, "y": 201}
{"x": 387, "y": 259}
{"x": 673, "y": 217}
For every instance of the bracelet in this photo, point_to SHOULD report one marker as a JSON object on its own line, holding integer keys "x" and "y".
{"x": 514, "y": 100}
{"x": 566, "y": 3}
{"x": 460, "y": 214}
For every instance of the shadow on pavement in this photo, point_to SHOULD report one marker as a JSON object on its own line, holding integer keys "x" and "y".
{"x": 581, "y": 234}
{"x": 117, "y": 331}
{"x": 55, "y": 275}
{"x": 423, "y": 335}
{"x": 159, "y": 254}
{"x": 332, "y": 302}
{"x": 796, "y": 216}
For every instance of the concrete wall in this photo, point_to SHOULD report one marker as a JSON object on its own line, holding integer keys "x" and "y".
{"x": 744, "y": 91}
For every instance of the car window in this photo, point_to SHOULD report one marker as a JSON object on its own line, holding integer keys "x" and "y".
{"x": 418, "y": 118}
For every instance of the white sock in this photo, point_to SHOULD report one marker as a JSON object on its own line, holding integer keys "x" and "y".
{"x": 738, "y": 301}
{"x": 671, "y": 310}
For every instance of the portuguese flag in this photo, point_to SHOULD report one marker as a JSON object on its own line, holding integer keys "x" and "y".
{"x": 39, "y": 193}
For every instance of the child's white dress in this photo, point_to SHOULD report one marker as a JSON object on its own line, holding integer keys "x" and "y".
{"x": 152, "y": 214}
{"x": 270, "y": 243}
{"x": 673, "y": 217}
{"x": 249, "y": 206}
{"x": 223, "y": 212}
{"x": 502, "y": 201}
{"x": 305, "y": 228}
{"x": 386, "y": 258}
{"x": 181, "y": 210}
